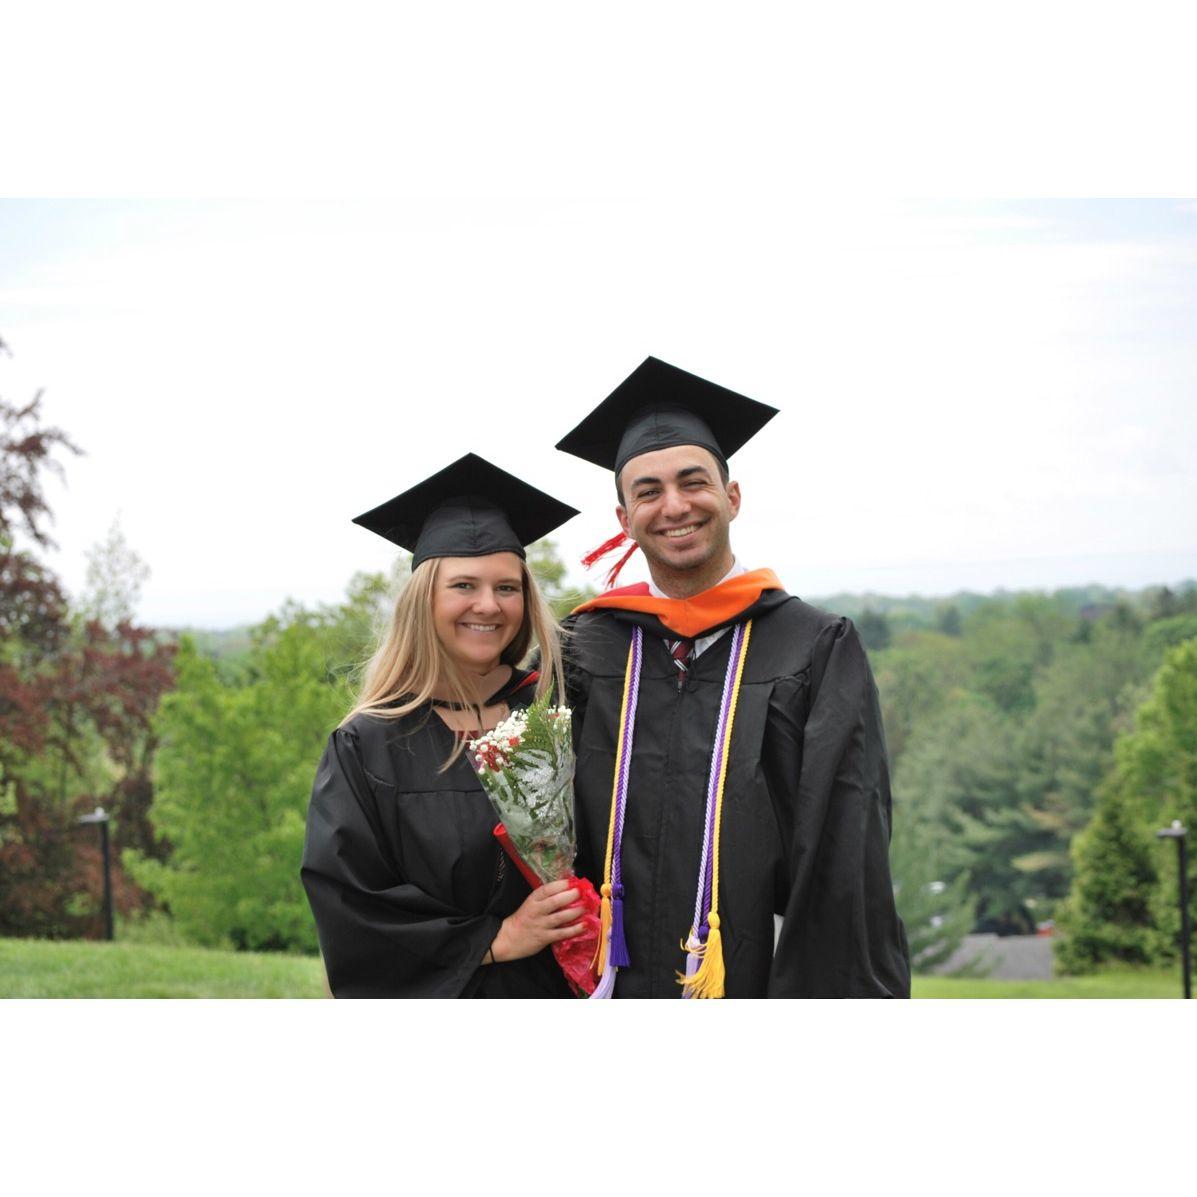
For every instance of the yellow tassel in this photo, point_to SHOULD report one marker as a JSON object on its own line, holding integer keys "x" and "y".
{"x": 604, "y": 929}
{"x": 708, "y": 981}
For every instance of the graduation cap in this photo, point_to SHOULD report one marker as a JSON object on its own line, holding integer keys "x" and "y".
{"x": 468, "y": 509}
{"x": 658, "y": 406}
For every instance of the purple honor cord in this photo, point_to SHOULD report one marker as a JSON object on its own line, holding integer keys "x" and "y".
{"x": 617, "y": 949}
{"x": 702, "y": 902}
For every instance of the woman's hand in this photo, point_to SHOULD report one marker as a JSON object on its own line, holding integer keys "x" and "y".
{"x": 549, "y": 914}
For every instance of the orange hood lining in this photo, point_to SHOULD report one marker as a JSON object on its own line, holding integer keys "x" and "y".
{"x": 692, "y": 616}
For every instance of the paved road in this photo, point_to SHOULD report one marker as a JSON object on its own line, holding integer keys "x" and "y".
{"x": 1003, "y": 957}
{"x": 1008, "y": 957}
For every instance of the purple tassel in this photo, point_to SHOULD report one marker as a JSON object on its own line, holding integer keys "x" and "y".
{"x": 617, "y": 953}
{"x": 606, "y": 986}
{"x": 693, "y": 961}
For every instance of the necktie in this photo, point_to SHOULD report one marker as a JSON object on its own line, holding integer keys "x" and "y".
{"x": 682, "y": 652}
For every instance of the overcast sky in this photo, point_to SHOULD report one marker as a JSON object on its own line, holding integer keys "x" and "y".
{"x": 972, "y": 395}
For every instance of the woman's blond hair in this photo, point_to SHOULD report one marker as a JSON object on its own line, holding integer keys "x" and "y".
{"x": 410, "y": 664}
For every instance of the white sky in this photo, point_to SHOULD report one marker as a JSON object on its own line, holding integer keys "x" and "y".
{"x": 972, "y": 394}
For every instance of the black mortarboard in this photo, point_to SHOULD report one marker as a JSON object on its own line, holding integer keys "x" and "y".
{"x": 468, "y": 509}
{"x": 658, "y": 406}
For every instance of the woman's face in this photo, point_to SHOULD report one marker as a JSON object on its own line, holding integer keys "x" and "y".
{"x": 478, "y": 608}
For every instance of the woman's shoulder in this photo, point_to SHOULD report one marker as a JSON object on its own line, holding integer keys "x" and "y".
{"x": 394, "y": 750}
{"x": 383, "y": 723}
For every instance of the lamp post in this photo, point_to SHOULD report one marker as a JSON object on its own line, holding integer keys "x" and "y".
{"x": 100, "y": 817}
{"x": 1178, "y": 832}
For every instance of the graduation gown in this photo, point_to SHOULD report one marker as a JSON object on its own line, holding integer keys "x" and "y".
{"x": 406, "y": 881}
{"x": 806, "y": 812}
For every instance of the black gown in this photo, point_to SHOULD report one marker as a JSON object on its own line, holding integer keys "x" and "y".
{"x": 406, "y": 880}
{"x": 806, "y": 817}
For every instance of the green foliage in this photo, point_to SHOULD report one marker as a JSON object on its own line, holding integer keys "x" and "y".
{"x": 1081, "y": 700}
{"x": 1123, "y": 903}
{"x": 549, "y": 570}
{"x": 961, "y": 777}
{"x": 874, "y": 629}
{"x": 233, "y": 777}
{"x": 947, "y": 620}
{"x": 1008, "y": 642}
{"x": 1000, "y": 737}
{"x": 937, "y": 915}
{"x": 916, "y": 678}
{"x": 1165, "y": 634}
{"x": 1108, "y": 915}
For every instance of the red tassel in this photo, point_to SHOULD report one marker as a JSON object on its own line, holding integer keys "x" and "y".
{"x": 614, "y": 573}
{"x": 608, "y": 546}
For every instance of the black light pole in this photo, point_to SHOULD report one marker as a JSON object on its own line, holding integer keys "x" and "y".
{"x": 1177, "y": 832}
{"x": 100, "y": 817}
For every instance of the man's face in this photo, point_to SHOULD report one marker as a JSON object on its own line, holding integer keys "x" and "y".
{"x": 677, "y": 507}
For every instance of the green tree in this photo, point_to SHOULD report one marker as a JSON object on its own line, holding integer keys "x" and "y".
{"x": 546, "y": 566}
{"x": 1008, "y": 642}
{"x": 947, "y": 620}
{"x": 960, "y": 775}
{"x": 916, "y": 678}
{"x": 232, "y": 780}
{"x": 1109, "y": 912}
{"x": 1161, "y": 603}
{"x": 1123, "y": 904}
{"x": 1083, "y": 698}
{"x": 937, "y": 915}
{"x": 874, "y": 629}
{"x": 1163, "y": 634}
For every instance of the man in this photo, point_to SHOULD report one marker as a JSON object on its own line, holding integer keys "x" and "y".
{"x": 731, "y": 762}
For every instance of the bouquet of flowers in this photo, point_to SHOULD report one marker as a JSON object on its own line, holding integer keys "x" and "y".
{"x": 526, "y": 766}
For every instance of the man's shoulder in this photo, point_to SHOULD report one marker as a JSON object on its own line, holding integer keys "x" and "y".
{"x": 800, "y": 616}
{"x": 597, "y": 641}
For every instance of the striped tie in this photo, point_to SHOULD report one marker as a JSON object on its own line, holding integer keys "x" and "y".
{"x": 682, "y": 652}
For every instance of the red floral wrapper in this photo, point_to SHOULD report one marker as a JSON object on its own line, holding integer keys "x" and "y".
{"x": 576, "y": 956}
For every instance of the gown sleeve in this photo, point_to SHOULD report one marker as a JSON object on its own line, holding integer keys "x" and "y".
{"x": 379, "y": 935}
{"x": 841, "y": 935}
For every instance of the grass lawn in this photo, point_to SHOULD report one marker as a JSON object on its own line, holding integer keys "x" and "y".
{"x": 32, "y": 968}
{"x": 35, "y": 968}
{"x": 1113, "y": 983}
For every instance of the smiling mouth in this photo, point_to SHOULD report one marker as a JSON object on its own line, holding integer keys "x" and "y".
{"x": 679, "y": 533}
{"x": 481, "y": 627}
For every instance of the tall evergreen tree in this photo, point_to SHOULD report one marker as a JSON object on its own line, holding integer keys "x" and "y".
{"x": 1124, "y": 899}
{"x": 1109, "y": 915}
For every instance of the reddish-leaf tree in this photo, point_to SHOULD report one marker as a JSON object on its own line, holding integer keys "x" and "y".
{"x": 25, "y": 452}
{"x": 64, "y": 690}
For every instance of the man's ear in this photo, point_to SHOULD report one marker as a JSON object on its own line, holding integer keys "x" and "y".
{"x": 622, "y": 516}
{"x": 733, "y": 498}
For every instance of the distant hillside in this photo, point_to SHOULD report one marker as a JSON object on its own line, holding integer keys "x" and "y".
{"x": 901, "y": 612}
{"x": 219, "y": 645}
{"x": 919, "y": 611}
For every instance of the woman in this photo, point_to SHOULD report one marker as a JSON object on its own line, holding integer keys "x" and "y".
{"x": 411, "y": 892}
